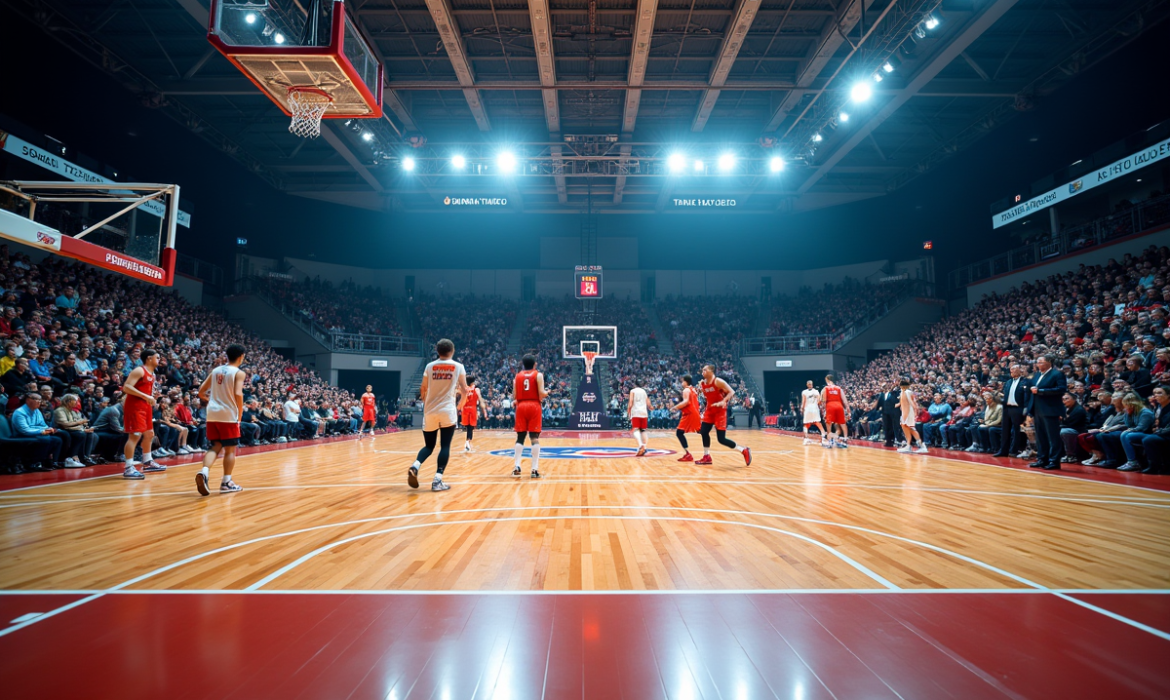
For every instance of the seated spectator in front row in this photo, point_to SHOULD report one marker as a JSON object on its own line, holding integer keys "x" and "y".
{"x": 1073, "y": 423}
{"x": 77, "y": 438}
{"x": 27, "y": 422}
{"x": 111, "y": 435}
{"x": 1137, "y": 419}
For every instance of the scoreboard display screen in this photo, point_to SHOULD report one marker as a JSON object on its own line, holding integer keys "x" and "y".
{"x": 587, "y": 282}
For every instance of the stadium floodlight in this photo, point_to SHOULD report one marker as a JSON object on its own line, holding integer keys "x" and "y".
{"x": 458, "y": 162}
{"x": 676, "y": 162}
{"x": 507, "y": 161}
{"x": 861, "y": 92}
{"x": 817, "y": 138}
{"x": 931, "y": 22}
{"x": 776, "y": 164}
{"x": 888, "y": 67}
{"x": 842, "y": 116}
{"x": 408, "y": 164}
{"x": 877, "y": 77}
{"x": 367, "y": 136}
{"x": 726, "y": 162}
{"x": 279, "y": 38}
{"x": 698, "y": 165}
{"x": 250, "y": 18}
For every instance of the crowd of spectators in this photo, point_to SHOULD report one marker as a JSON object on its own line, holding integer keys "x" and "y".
{"x": 72, "y": 333}
{"x": 343, "y": 308}
{"x": 832, "y": 311}
{"x": 1106, "y": 326}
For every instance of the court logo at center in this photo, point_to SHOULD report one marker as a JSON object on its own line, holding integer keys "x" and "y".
{"x": 597, "y": 452}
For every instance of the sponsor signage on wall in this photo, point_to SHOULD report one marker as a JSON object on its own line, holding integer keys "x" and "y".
{"x": 1130, "y": 163}
{"x": 475, "y": 201}
{"x": 70, "y": 171}
{"x": 380, "y": 363}
{"x": 783, "y": 363}
{"x": 704, "y": 202}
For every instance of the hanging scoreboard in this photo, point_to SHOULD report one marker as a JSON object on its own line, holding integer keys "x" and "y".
{"x": 587, "y": 281}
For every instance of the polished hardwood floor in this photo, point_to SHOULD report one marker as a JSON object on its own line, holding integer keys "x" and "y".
{"x": 340, "y": 516}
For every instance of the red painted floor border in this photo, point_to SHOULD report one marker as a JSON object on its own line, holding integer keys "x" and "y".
{"x": 1157, "y": 482}
{"x": 643, "y": 647}
{"x": 20, "y": 481}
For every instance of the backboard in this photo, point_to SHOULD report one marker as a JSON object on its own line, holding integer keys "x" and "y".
{"x": 579, "y": 339}
{"x": 124, "y": 227}
{"x": 268, "y": 42}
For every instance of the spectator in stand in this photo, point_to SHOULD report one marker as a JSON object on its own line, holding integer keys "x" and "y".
{"x": 1137, "y": 418}
{"x": 111, "y": 436}
{"x": 27, "y": 422}
{"x": 1073, "y": 423}
{"x": 77, "y": 438}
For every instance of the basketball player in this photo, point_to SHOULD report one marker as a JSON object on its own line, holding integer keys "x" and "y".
{"x": 689, "y": 419}
{"x": 836, "y": 408}
{"x": 369, "y": 411}
{"x": 138, "y": 418}
{"x": 810, "y": 406}
{"x": 470, "y": 408}
{"x": 529, "y": 391}
{"x": 442, "y": 379}
{"x": 223, "y": 392}
{"x": 718, "y": 394}
{"x": 639, "y": 411}
{"x": 909, "y": 405}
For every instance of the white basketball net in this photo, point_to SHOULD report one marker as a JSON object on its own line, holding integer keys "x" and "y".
{"x": 307, "y": 105}
{"x": 589, "y": 358}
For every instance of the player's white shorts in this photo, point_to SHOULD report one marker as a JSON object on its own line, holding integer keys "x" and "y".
{"x": 812, "y": 414}
{"x": 440, "y": 419}
{"x": 909, "y": 420}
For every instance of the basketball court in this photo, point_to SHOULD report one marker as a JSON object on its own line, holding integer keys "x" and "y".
{"x": 812, "y": 573}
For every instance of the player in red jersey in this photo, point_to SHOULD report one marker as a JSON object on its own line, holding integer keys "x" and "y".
{"x": 689, "y": 419}
{"x": 836, "y": 408}
{"x": 528, "y": 393}
{"x": 470, "y": 408}
{"x": 369, "y": 411}
{"x": 718, "y": 394}
{"x": 138, "y": 416}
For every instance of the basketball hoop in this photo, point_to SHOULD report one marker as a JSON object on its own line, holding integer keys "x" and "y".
{"x": 589, "y": 358}
{"x": 308, "y": 105}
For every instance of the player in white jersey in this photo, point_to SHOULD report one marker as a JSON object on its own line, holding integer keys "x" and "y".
{"x": 223, "y": 392}
{"x": 442, "y": 380}
{"x": 639, "y": 412}
{"x": 909, "y": 405}
{"x": 810, "y": 406}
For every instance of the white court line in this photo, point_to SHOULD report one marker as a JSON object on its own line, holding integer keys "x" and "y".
{"x": 289, "y": 567}
{"x": 649, "y": 591}
{"x": 510, "y": 480}
{"x": 858, "y": 528}
{"x": 1035, "y": 472}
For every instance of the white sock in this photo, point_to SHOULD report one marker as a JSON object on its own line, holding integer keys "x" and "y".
{"x": 227, "y": 479}
{"x": 535, "y": 455}
{"x": 206, "y": 473}
{"x": 437, "y": 479}
{"x": 740, "y": 448}
{"x": 146, "y": 456}
{"x": 416, "y": 464}
{"x": 706, "y": 451}
{"x": 519, "y": 450}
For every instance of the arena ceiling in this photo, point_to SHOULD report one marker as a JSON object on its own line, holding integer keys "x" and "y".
{"x": 594, "y": 107}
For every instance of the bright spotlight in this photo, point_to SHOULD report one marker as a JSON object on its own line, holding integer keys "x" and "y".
{"x": 817, "y": 138}
{"x": 250, "y": 18}
{"x": 888, "y": 67}
{"x": 698, "y": 166}
{"x": 861, "y": 92}
{"x": 931, "y": 22}
{"x": 726, "y": 162}
{"x": 843, "y": 117}
{"x": 458, "y": 162}
{"x": 279, "y": 38}
{"x": 776, "y": 164}
{"x": 675, "y": 163}
{"x": 877, "y": 77}
{"x": 506, "y": 161}
{"x": 367, "y": 136}
{"x": 408, "y": 164}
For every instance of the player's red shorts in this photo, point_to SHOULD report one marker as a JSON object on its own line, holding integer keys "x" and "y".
{"x": 835, "y": 413}
{"x": 223, "y": 433}
{"x": 469, "y": 417}
{"x": 717, "y": 416}
{"x": 690, "y": 423}
{"x": 528, "y": 418}
{"x": 369, "y": 415}
{"x": 137, "y": 417}
{"x": 638, "y": 423}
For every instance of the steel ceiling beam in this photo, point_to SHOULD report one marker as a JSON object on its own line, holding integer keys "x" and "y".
{"x": 737, "y": 29}
{"x": 832, "y": 38}
{"x": 948, "y": 53}
{"x": 343, "y": 150}
{"x": 452, "y": 41}
{"x": 542, "y": 44}
{"x": 643, "y": 35}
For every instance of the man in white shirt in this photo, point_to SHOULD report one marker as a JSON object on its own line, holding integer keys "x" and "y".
{"x": 292, "y": 415}
{"x": 223, "y": 390}
{"x": 639, "y": 410}
{"x": 443, "y": 379}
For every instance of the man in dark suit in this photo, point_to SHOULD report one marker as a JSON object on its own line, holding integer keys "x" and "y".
{"x": 755, "y": 409}
{"x": 1016, "y": 393}
{"x": 1047, "y": 408}
{"x": 889, "y": 401}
